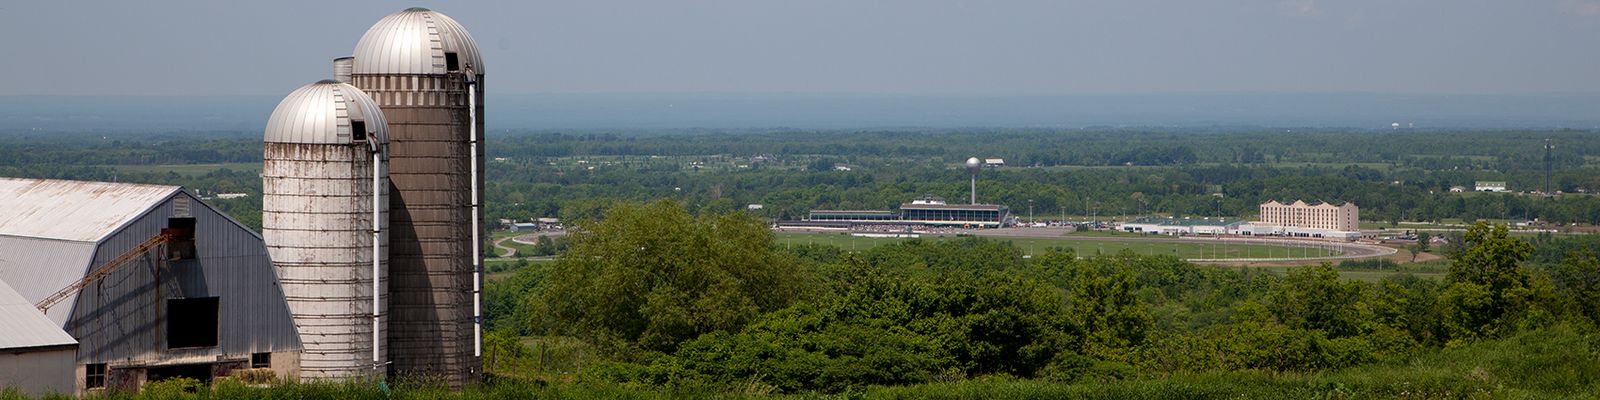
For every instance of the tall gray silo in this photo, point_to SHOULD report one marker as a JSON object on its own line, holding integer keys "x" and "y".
{"x": 425, "y": 72}
{"x": 325, "y": 210}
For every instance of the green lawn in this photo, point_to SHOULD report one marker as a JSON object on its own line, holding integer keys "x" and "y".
{"x": 1082, "y": 247}
{"x": 522, "y": 249}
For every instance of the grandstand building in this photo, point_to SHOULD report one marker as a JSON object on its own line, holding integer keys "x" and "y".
{"x": 853, "y": 216}
{"x": 929, "y": 211}
{"x": 934, "y": 211}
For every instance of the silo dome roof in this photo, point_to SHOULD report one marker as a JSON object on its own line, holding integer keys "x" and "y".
{"x": 323, "y": 113}
{"x": 414, "y": 41}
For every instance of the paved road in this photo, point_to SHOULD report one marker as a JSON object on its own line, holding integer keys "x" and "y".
{"x": 533, "y": 238}
{"x": 528, "y": 239}
{"x": 505, "y": 252}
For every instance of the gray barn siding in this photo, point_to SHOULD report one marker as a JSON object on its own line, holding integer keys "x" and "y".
{"x": 121, "y": 320}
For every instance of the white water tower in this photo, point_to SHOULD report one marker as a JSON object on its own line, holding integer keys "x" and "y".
{"x": 973, "y": 166}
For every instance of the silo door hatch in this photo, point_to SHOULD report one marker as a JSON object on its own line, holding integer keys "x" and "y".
{"x": 358, "y": 131}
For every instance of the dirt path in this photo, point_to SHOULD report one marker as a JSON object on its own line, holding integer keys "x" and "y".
{"x": 505, "y": 251}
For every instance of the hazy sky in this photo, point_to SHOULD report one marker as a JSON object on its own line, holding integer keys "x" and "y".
{"x": 997, "y": 47}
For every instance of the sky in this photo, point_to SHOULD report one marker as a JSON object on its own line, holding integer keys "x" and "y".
{"x": 898, "y": 47}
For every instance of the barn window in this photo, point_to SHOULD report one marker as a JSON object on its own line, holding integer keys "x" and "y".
{"x": 358, "y": 130}
{"x": 261, "y": 360}
{"x": 181, "y": 246}
{"x": 94, "y": 376}
{"x": 192, "y": 322}
{"x": 451, "y": 62}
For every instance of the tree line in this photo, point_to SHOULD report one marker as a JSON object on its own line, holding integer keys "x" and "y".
{"x": 676, "y": 299}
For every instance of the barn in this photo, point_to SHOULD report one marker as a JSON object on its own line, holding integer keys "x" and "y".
{"x": 141, "y": 282}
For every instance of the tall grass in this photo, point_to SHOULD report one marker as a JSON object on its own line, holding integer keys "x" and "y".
{"x": 1560, "y": 362}
{"x": 1552, "y": 363}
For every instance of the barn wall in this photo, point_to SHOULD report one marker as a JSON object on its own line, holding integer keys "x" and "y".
{"x": 120, "y": 320}
{"x": 38, "y": 372}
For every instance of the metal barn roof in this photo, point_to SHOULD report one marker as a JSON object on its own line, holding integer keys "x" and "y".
{"x": 73, "y": 210}
{"x": 22, "y": 326}
{"x": 414, "y": 41}
{"x": 322, "y": 113}
{"x": 38, "y": 267}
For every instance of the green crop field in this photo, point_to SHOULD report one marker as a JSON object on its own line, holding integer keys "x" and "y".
{"x": 1083, "y": 247}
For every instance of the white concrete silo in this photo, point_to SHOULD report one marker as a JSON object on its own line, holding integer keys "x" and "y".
{"x": 424, "y": 70}
{"x": 325, "y": 221}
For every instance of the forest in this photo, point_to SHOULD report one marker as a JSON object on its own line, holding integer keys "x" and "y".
{"x": 669, "y": 287}
{"x": 1393, "y": 176}
{"x": 708, "y": 302}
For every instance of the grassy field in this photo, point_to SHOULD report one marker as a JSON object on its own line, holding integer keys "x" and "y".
{"x": 522, "y": 249}
{"x": 1032, "y": 246}
{"x": 185, "y": 169}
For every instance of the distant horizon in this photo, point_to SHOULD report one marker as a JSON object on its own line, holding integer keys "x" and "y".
{"x": 841, "y": 110}
{"x": 896, "y": 47}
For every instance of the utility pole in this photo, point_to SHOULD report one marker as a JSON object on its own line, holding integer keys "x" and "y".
{"x": 1548, "y": 159}
{"x": 1030, "y": 211}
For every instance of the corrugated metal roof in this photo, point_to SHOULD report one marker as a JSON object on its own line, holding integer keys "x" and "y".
{"x": 321, "y": 113}
{"x": 35, "y": 268}
{"x": 413, "y": 41}
{"x": 73, "y": 210}
{"x": 22, "y": 326}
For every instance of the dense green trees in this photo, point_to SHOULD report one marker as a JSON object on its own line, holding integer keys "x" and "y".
{"x": 648, "y": 282}
{"x": 1490, "y": 291}
{"x": 651, "y": 276}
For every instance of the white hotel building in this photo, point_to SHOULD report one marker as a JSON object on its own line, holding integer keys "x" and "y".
{"x": 1317, "y": 215}
{"x": 1316, "y": 219}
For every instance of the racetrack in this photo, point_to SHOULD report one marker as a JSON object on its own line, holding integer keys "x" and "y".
{"x": 1347, "y": 250}
{"x": 1313, "y": 250}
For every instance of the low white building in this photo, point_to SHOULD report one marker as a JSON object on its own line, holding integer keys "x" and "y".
{"x": 1190, "y": 226}
{"x": 1490, "y": 186}
{"x": 36, "y": 356}
{"x": 1265, "y": 229}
